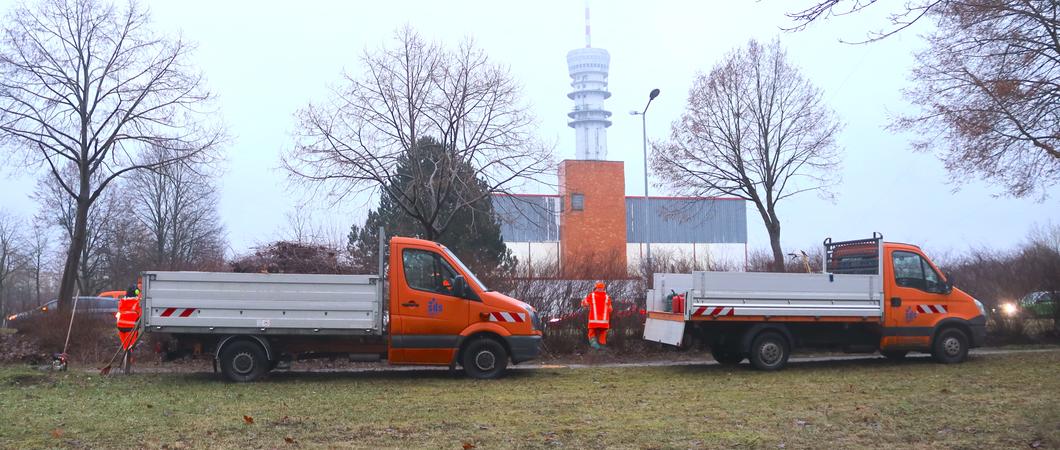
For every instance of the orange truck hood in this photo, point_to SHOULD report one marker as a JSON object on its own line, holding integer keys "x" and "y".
{"x": 503, "y": 302}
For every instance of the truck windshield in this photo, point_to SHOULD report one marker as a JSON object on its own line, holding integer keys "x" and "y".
{"x": 464, "y": 268}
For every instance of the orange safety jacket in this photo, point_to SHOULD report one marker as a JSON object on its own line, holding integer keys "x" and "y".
{"x": 599, "y": 304}
{"x": 128, "y": 313}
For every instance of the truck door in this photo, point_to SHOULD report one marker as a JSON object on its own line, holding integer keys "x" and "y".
{"x": 915, "y": 301}
{"x": 429, "y": 316}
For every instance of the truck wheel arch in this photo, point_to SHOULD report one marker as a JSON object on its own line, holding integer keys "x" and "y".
{"x": 244, "y": 337}
{"x": 749, "y": 335}
{"x": 458, "y": 356}
{"x": 951, "y": 322}
{"x": 485, "y": 327}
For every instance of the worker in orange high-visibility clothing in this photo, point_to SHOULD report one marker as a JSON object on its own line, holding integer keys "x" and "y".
{"x": 599, "y": 304}
{"x": 128, "y": 316}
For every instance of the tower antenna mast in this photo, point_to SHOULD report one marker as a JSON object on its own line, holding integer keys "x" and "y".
{"x": 588, "y": 36}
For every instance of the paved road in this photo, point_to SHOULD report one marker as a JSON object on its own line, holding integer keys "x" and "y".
{"x": 382, "y": 367}
{"x": 794, "y": 360}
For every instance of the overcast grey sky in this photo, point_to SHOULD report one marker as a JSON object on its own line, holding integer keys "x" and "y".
{"x": 267, "y": 59}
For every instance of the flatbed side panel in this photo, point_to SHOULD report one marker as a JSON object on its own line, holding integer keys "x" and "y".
{"x": 668, "y": 332}
{"x": 282, "y": 303}
{"x": 721, "y": 294}
{"x": 802, "y": 319}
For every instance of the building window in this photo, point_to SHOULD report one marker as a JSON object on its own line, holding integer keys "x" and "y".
{"x": 577, "y": 202}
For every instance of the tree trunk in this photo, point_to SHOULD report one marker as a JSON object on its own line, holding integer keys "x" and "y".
{"x": 772, "y": 224}
{"x": 36, "y": 282}
{"x": 3, "y": 308}
{"x": 774, "y": 244}
{"x": 73, "y": 256}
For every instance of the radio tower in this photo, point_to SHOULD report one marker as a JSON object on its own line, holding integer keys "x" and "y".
{"x": 588, "y": 72}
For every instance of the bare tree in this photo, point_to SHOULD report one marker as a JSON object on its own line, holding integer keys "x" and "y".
{"x": 39, "y": 246}
{"x": 988, "y": 85}
{"x": 756, "y": 129}
{"x": 178, "y": 209}
{"x": 11, "y": 259}
{"x": 409, "y": 92}
{"x": 88, "y": 86}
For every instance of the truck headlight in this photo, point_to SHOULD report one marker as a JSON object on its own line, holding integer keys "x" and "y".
{"x": 535, "y": 320}
{"x": 979, "y": 304}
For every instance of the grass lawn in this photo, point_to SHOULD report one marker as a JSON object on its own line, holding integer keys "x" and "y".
{"x": 1010, "y": 401}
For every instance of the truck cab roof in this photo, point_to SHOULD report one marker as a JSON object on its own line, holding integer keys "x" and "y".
{"x": 409, "y": 240}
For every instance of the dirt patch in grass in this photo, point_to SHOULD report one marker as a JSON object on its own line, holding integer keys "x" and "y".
{"x": 990, "y": 401}
{"x": 28, "y": 379}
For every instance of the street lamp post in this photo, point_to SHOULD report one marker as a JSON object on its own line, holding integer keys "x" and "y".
{"x": 644, "y": 135}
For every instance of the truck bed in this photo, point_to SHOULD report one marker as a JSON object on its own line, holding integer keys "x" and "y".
{"x": 215, "y": 302}
{"x": 785, "y": 294}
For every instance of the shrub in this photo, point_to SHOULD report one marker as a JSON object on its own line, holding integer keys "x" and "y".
{"x": 559, "y": 304}
{"x": 93, "y": 338}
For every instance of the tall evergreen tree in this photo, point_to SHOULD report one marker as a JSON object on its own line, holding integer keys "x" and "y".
{"x": 472, "y": 231}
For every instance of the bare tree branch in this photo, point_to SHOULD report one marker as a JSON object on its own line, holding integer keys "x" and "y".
{"x": 989, "y": 88}
{"x": 988, "y": 85}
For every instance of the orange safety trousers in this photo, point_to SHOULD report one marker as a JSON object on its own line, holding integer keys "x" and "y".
{"x": 600, "y": 334}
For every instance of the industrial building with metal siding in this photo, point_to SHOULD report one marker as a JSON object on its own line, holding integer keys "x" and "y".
{"x": 591, "y": 220}
{"x": 708, "y": 231}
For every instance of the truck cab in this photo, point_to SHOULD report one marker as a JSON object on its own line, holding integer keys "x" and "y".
{"x": 871, "y": 296}
{"x": 920, "y": 302}
{"x": 441, "y": 313}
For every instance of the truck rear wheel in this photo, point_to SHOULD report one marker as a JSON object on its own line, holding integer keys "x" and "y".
{"x": 950, "y": 346}
{"x": 726, "y": 356}
{"x": 769, "y": 351}
{"x": 243, "y": 361}
{"x": 484, "y": 359}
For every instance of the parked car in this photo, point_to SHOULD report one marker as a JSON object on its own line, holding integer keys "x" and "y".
{"x": 1040, "y": 305}
{"x": 94, "y": 305}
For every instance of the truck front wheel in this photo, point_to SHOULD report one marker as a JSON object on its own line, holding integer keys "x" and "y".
{"x": 484, "y": 359}
{"x": 770, "y": 351}
{"x": 950, "y": 346}
{"x": 243, "y": 361}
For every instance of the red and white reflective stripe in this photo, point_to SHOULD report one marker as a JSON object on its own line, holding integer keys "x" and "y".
{"x": 185, "y": 312}
{"x": 507, "y": 317}
{"x": 929, "y": 309}
{"x": 714, "y": 311}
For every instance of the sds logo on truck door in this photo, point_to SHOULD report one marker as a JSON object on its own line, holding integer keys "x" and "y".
{"x": 433, "y": 307}
{"x": 910, "y": 314}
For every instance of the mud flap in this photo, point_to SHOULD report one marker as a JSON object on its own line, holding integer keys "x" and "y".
{"x": 669, "y": 332}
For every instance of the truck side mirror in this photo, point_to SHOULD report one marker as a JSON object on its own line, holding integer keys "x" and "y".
{"x": 948, "y": 285}
{"x": 460, "y": 287}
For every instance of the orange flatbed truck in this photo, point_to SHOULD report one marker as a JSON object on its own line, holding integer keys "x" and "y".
{"x": 432, "y": 310}
{"x": 872, "y": 296}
